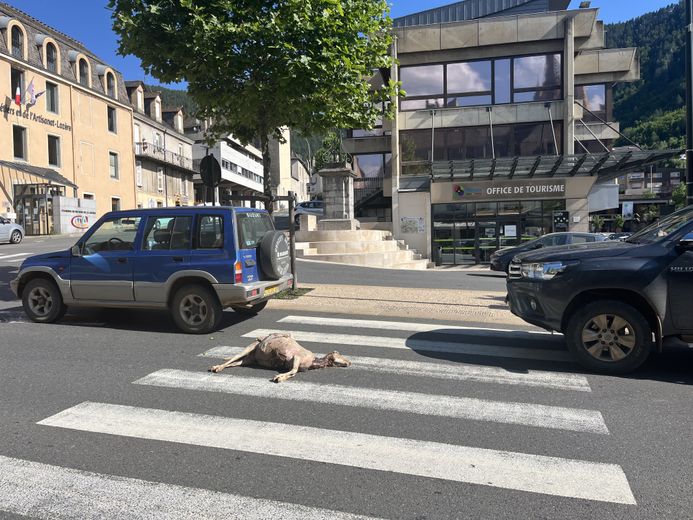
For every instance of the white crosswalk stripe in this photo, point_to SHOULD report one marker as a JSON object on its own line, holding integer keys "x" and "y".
{"x": 5, "y": 257}
{"x": 49, "y": 492}
{"x": 408, "y": 326}
{"x": 419, "y": 344}
{"x": 502, "y": 469}
{"x": 457, "y": 372}
{"x": 526, "y": 414}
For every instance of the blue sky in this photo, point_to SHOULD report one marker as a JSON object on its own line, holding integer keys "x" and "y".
{"x": 89, "y": 22}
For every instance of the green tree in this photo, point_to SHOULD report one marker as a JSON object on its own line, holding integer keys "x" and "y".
{"x": 255, "y": 66}
{"x": 679, "y": 195}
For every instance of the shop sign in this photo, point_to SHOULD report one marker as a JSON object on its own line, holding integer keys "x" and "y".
{"x": 510, "y": 190}
{"x": 33, "y": 116}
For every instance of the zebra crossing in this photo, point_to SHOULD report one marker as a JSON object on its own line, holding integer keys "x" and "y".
{"x": 602, "y": 481}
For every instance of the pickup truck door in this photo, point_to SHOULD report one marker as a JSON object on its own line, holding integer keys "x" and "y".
{"x": 680, "y": 282}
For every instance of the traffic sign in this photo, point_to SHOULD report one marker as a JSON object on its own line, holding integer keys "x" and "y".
{"x": 210, "y": 171}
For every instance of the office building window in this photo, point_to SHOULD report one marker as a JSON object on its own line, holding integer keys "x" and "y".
{"x": 112, "y": 127}
{"x": 115, "y": 203}
{"x": 51, "y": 57}
{"x": 88, "y": 196}
{"x": 484, "y": 82}
{"x": 53, "y": 150}
{"x": 113, "y": 165}
{"x": 17, "y": 42}
{"x": 83, "y": 67}
{"x": 593, "y": 98}
{"x": 19, "y": 142}
{"x": 52, "y": 97}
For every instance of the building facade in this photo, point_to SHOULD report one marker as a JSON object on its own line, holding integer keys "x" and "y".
{"x": 163, "y": 154}
{"x": 500, "y": 97}
{"x": 66, "y": 130}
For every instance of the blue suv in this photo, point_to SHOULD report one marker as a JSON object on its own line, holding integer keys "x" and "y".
{"x": 192, "y": 261}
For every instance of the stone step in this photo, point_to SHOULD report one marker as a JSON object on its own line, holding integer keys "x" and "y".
{"x": 363, "y": 235}
{"x": 377, "y": 259}
{"x": 372, "y": 246}
{"x": 306, "y": 252}
{"x": 418, "y": 265}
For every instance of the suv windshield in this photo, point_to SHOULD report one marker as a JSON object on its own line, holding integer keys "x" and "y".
{"x": 663, "y": 228}
{"x": 251, "y": 227}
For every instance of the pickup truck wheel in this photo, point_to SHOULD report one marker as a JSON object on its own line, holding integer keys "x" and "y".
{"x": 196, "y": 310}
{"x": 610, "y": 337}
{"x": 249, "y": 310}
{"x": 42, "y": 301}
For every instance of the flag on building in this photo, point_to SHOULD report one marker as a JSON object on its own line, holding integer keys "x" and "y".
{"x": 18, "y": 96}
{"x": 31, "y": 95}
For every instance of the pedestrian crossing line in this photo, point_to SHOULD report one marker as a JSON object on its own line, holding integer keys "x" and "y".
{"x": 49, "y": 492}
{"x": 501, "y": 469}
{"x": 408, "y": 326}
{"x": 457, "y": 372}
{"x": 420, "y": 344}
{"x": 5, "y": 257}
{"x": 525, "y": 414}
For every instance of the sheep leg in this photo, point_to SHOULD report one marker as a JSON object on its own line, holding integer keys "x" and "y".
{"x": 291, "y": 373}
{"x": 232, "y": 362}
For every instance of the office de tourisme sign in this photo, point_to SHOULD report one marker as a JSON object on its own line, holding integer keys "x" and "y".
{"x": 488, "y": 191}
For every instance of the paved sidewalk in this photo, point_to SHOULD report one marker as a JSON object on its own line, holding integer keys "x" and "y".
{"x": 431, "y": 304}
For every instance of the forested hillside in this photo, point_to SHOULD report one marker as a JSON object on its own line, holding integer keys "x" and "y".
{"x": 650, "y": 110}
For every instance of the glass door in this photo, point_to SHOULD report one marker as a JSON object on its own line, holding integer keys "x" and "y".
{"x": 464, "y": 246}
{"x": 488, "y": 240}
{"x": 509, "y": 233}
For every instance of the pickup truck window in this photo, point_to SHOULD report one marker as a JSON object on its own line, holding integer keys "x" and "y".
{"x": 664, "y": 227}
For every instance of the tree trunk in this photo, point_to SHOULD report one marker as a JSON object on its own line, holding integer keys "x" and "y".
{"x": 267, "y": 174}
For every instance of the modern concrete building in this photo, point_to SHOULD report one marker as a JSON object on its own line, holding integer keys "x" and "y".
{"x": 163, "y": 154}
{"x": 505, "y": 132}
{"x": 65, "y": 130}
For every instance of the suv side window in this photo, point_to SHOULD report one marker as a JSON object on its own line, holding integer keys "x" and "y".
{"x": 581, "y": 239}
{"x": 209, "y": 233}
{"x": 167, "y": 233}
{"x": 114, "y": 234}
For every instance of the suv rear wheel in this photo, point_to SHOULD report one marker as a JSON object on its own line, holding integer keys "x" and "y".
{"x": 42, "y": 301}
{"x": 609, "y": 336}
{"x": 196, "y": 310}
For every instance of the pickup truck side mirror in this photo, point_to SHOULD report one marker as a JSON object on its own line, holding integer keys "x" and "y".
{"x": 686, "y": 243}
{"x": 76, "y": 250}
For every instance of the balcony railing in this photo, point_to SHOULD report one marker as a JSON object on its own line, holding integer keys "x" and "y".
{"x": 366, "y": 187}
{"x": 160, "y": 154}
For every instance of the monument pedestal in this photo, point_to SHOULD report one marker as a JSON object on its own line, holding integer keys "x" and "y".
{"x": 338, "y": 198}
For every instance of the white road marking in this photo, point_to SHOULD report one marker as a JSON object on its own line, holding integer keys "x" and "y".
{"x": 525, "y": 414}
{"x": 5, "y": 257}
{"x": 52, "y": 492}
{"x": 456, "y": 372}
{"x": 502, "y": 469}
{"x": 405, "y": 326}
{"x": 420, "y": 344}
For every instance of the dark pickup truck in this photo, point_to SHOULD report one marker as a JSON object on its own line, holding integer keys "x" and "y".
{"x": 614, "y": 301}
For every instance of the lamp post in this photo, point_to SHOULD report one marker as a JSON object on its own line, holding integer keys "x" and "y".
{"x": 689, "y": 100}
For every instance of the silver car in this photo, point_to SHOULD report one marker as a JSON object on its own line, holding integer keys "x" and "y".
{"x": 9, "y": 232}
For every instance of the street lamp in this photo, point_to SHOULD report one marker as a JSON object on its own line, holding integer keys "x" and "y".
{"x": 689, "y": 101}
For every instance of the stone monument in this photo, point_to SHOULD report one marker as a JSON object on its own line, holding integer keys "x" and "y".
{"x": 338, "y": 197}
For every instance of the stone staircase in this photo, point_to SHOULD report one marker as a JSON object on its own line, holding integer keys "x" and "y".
{"x": 368, "y": 248}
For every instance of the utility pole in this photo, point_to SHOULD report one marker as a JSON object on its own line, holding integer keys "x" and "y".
{"x": 689, "y": 100}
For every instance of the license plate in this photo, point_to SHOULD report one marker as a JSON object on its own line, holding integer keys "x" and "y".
{"x": 271, "y": 290}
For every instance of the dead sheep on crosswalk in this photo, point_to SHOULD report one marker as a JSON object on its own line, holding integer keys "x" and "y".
{"x": 282, "y": 351}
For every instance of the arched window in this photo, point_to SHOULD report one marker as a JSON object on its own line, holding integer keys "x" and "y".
{"x": 83, "y": 72}
{"x": 51, "y": 57}
{"x": 17, "y": 42}
{"x": 110, "y": 85}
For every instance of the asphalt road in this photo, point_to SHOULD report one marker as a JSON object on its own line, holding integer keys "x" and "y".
{"x": 112, "y": 414}
{"x": 428, "y": 423}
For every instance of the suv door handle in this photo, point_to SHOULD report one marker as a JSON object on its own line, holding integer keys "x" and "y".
{"x": 177, "y": 259}
{"x": 122, "y": 260}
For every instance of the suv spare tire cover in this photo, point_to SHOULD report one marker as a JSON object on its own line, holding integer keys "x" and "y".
{"x": 273, "y": 255}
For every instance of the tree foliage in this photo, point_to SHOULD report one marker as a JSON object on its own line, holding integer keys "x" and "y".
{"x": 255, "y": 66}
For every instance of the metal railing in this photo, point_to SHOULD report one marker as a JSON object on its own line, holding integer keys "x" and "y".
{"x": 159, "y": 153}
{"x": 366, "y": 187}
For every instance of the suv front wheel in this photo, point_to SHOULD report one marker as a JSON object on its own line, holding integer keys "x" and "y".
{"x": 196, "y": 310}
{"x": 42, "y": 301}
{"x": 609, "y": 336}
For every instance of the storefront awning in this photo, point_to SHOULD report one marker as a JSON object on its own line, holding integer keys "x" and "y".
{"x": 605, "y": 165}
{"x": 51, "y": 176}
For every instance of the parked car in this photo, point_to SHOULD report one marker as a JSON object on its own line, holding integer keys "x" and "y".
{"x": 192, "y": 261}
{"x": 500, "y": 260}
{"x": 611, "y": 299}
{"x": 619, "y": 236}
{"x": 10, "y": 232}
{"x": 311, "y": 207}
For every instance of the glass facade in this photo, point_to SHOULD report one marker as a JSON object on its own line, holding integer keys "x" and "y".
{"x": 468, "y": 233}
{"x": 483, "y": 82}
{"x": 593, "y": 98}
{"x": 372, "y": 165}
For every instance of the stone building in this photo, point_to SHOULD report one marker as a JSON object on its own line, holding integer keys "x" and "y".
{"x": 163, "y": 154}
{"x": 65, "y": 130}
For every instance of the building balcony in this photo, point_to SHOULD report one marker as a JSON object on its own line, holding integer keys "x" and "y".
{"x": 600, "y": 130}
{"x": 163, "y": 156}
